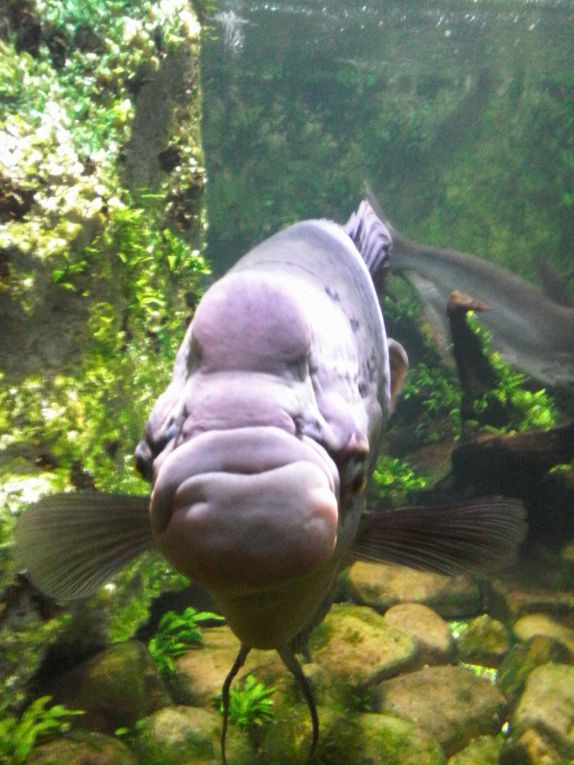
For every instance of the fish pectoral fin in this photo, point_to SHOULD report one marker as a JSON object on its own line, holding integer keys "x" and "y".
{"x": 464, "y": 537}
{"x": 71, "y": 544}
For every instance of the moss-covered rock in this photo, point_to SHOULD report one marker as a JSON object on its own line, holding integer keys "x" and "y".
{"x": 200, "y": 673}
{"x": 531, "y": 748}
{"x": 355, "y": 648}
{"x": 450, "y": 703}
{"x": 395, "y": 741}
{"x": 95, "y": 288}
{"x": 349, "y": 739}
{"x": 81, "y": 749}
{"x": 547, "y": 706}
{"x": 116, "y": 688}
{"x": 429, "y": 630}
{"x": 543, "y": 624}
{"x": 519, "y": 594}
{"x": 178, "y": 735}
{"x": 382, "y": 586}
{"x": 523, "y": 658}
{"x": 481, "y": 751}
{"x": 484, "y": 642}
{"x": 288, "y": 740}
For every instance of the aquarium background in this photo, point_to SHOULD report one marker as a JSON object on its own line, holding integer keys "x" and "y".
{"x": 144, "y": 147}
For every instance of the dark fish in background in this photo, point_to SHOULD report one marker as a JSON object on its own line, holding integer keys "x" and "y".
{"x": 529, "y": 330}
{"x": 260, "y": 449}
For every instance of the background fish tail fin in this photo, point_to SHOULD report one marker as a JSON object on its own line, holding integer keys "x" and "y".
{"x": 71, "y": 544}
{"x": 290, "y": 660}
{"x": 463, "y": 537}
{"x": 371, "y": 238}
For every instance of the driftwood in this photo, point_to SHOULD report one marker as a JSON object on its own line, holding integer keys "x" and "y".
{"x": 476, "y": 374}
{"x": 513, "y": 463}
{"x": 519, "y": 466}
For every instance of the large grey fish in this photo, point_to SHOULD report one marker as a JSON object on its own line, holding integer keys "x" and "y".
{"x": 260, "y": 449}
{"x": 529, "y": 330}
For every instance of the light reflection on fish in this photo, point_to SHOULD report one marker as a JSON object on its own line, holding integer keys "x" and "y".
{"x": 260, "y": 449}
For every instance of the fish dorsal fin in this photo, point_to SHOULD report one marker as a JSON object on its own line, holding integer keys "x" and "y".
{"x": 73, "y": 543}
{"x": 371, "y": 238}
{"x": 464, "y": 537}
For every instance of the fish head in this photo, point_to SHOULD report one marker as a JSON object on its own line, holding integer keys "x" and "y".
{"x": 247, "y": 484}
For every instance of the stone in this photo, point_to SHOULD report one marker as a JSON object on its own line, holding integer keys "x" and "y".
{"x": 520, "y": 593}
{"x": 350, "y": 739}
{"x": 382, "y": 585}
{"x": 542, "y": 624}
{"x": 547, "y": 706}
{"x": 429, "y": 630}
{"x": 485, "y": 642}
{"x": 200, "y": 673}
{"x": 182, "y": 735}
{"x": 531, "y": 748}
{"x": 390, "y": 739}
{"x": 355, "y": 648}
{"x": 451, "y": 703}
{"x": 288, "y": 740}
{"x": 83, "y": 749}
{"x": 482, "y": 751}
{"x": 523, "y": 658}
{"x": 116, "y": 688}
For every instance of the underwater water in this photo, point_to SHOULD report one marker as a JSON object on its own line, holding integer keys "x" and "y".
{"x": 144, "y": 148}
{"x": 458, "y": 115}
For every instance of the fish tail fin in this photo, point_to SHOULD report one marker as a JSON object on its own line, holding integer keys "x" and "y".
{"x": 237, "y": 664}
{"x": 469, "y": 536}
{"x": 290, "y": 660}
{"x": 73, "y": 543}
{"x": 371, "y": 238}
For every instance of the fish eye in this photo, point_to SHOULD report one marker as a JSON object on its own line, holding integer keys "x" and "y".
{"x": 144, "y": 460}
{"x": 354, "y": 473}
{"x": 359, "y": 482}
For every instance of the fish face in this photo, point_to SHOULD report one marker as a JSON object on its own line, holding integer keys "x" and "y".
{"x": 246, "y": 509}
{"x": 247, "y": 490}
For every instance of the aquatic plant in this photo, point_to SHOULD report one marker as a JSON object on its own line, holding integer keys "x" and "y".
{"x": 19, "y": 735}
{"x": 250, "y": 704}
{"x": 479, "y": 670}
{"x": 176, "y": 634}
{"x": 528, "y": 406}
{"x": 435, "y": 394}
{"x": 394, "y": 479}
{"x": 121, "y": 277}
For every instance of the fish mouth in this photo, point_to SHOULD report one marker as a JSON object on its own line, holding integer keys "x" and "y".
{"x": 248, "y": 508}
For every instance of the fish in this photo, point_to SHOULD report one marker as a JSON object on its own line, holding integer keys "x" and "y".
{"x": 260, "y": 450}
{"x": 530, "y": 330}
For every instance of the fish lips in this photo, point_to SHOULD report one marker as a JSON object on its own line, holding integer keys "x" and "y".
{"x": 245, "y": 509}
